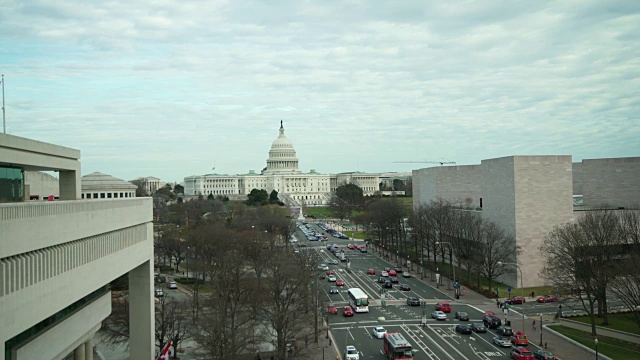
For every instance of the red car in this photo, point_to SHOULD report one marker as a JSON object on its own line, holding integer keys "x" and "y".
{"x": 350, "y": 246}
{"x": 339, "y": 282}
{"x": 330, "y": 272}
{"x": 516, "y": 300}
{"x": 519, "y": 339}
{"x": 488, "y": 314}
{"x": 393, "y": 272}
{"x": 332, "y": 310}
{"x": 548, "y": 298}
{"x": 520, "y": 353}
{"x": 444, "y": 307}
{"x": 371, "y": 272}
{"x": 347, "y": 311}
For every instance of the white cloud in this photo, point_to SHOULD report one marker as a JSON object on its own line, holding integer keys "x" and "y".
{"x": 166, "y": 88}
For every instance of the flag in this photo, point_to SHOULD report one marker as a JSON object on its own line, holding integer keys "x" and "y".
{"x": 164, "y": 355}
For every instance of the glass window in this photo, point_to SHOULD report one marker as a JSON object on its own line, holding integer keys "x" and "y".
{"x": 11, "y": 184}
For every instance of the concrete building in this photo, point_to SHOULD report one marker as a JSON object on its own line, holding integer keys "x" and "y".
{"x": 528, "y": 195}
{"x": 102, "y": 186}
{"x": 283, "y": 175}
{"x": 151, "y": 184}
{"x": 58, "y": 257}
{"x": 40, "y": 185}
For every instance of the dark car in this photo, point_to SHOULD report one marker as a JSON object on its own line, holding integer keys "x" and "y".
{"x": 479, "y": 327}
{"x": 464, "y": 328}
{"x": 462, "y": 316}
{"x": 492, "y": 322}
{"x": 388, "y": 284}
{"x": 382, "y": 280}
{"x": 505, "y": 331}
{"x": 398, "y": 269}
{"x": 395, "y": 280}
{"x": 544, "y": 355}
{"x": 363, "y": 250}
{"x": 334, "y": 290}
{"x": 405, "y": 287}
{"x": 412, "y": 301}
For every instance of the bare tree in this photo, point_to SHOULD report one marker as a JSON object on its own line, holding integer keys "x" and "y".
{"x": 172, "y": 322}
{"x": 626, "y": 286}
{"x": 495, "y": 246}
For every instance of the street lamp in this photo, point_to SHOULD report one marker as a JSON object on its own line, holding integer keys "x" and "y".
{"x": 596, "y": 348}
{"x": 455, "y": 290}
{"x": 521, "y": 288}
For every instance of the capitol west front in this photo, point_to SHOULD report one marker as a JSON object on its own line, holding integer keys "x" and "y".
{"x": 282, "y": 175}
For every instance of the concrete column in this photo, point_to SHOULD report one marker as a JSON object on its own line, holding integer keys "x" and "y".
{"x": 78, "y": 353}
{"x": 88, "y": 349}
{"x": 69, "y": 184}
{"x": 141, "y": 312}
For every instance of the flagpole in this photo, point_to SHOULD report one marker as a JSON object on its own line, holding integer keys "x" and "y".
{"x": 4, "y": 119}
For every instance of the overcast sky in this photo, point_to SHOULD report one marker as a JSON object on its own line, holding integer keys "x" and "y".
{"x": 173, "y": 88}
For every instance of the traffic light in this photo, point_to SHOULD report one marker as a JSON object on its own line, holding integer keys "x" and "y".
{"x": 455, "y": 285}
{"x": 383, "y": 246}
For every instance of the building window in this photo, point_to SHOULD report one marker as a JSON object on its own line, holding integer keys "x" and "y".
{"x": 95, "y": 195}
{"x": 102, "y": 196}
{"x": 109, "y": 195}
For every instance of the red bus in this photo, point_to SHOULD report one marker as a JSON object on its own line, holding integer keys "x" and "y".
{"x": 396, "y": 347}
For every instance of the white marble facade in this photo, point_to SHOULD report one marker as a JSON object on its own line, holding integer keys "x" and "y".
{"x": 283, "y": 175}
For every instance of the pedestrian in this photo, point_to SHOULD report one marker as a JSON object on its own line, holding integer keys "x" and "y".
{"x": 533, "y": 294}
{"x": 497, "y": 302}
{"x": 533, "y": 325}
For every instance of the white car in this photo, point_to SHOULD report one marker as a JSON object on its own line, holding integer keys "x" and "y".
{"x": 159, "y": 293}
{"x": 351, "y": 353}
{"x": 379, "y": 332}
{"x": 323, "y": 267}
{"x": 439, "y": 315}
{"x": 332, "y": 278}
{"x": 384, "y": 274}
{"x": 172, "y": 285}
{"x": 406, "y": 274}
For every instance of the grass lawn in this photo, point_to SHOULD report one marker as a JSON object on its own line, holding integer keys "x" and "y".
{"x": 202, "y": 288}
{"x": 613, "y": 348}
{"x": 620, "y": 322}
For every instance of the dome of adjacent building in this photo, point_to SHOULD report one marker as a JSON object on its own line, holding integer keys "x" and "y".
{"x": 101, "y": 181}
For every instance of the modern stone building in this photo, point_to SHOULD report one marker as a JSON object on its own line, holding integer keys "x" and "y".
{"x": 528, "y": 195}
{"x": 283, "y": 175}
{"x": 58, "y": 257}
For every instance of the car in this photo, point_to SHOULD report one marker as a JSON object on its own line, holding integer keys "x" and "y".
{"x": 339, "y": 282}
{"x": 334, "y": 262}
{"x": 350, "y": 246}
{"x": 544, "y": 355}
{"x": 519, "y": 339}
{"x": 363, "y": 250}
{"x": 479, "y": 327}
{"x": 395, "y": 280}
{"x": 323, "y": 276}
{"x": 464, "y": 329}
{"x": 384, "y": 274}
{"x": 462, "y": 316}
{"x": 388, "y": 284}
{"x": 413, "y": 301}
{"x": 382, "y": 280}
{"x": 323, "y": 267}
{"x": 520, "y": 353}
{"x": 392, "y": 273}
{"x": 405, "y": 287}
{"x": 332, "y": 278}
{"x": 406, "y": 274}
{"x": 398, "y": 269}
{"x": 516, "y": 300}
{"x": 505, "y": 331}
{"x": 172, "y": 285}
{"x": 333, "y": 290}
{"x": 502, "y": 341}
{"x": 332, "y": 309}
{"x": 378, "y": 332}
{"x": 547, "y": 299}
{"x": 444, "y": 307}
{"x": 371, "y": 271}
{"x": 439, "y": 315}
{"x": 350, "y": 353}
{"x": 159, "y": 293}
{"x": 330, "y": 272}
{"x": 492, "y": 322}
{"x": 487, "y": 314}
{"x": 347, "y": 311}
{"x": 387, "y": 269}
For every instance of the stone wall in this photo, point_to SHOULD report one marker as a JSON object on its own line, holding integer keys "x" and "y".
{"x": 615, "y": 182}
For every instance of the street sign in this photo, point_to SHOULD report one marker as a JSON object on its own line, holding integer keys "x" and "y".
{"x": 509, "y": 289}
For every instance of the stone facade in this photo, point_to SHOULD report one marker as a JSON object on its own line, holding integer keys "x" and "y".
{"x": 613, "y": 181}
{"x": 461, "y": 185}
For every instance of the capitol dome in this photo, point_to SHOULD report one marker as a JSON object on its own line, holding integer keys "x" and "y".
{"x": 282, "y": 156}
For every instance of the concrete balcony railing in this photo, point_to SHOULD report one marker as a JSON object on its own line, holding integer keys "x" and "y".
{"x": 31, "y": 226}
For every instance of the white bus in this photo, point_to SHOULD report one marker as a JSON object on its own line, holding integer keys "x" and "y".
{"x": 358, "y": 300}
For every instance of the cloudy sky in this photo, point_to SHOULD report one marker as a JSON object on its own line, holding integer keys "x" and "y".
{"x": 171, "y": 88}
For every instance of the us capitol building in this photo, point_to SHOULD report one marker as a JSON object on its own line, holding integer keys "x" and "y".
{"x": 282, "y": 175}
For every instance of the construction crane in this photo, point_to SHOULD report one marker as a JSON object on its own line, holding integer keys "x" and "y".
{"x": 425, "y": 162}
